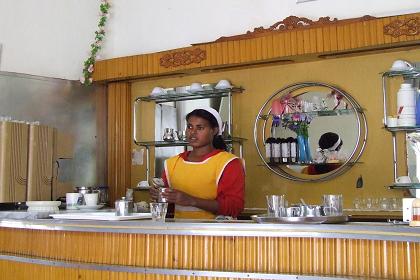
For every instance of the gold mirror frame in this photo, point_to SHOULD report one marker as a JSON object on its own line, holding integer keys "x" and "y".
{"x": 260, "y": 128}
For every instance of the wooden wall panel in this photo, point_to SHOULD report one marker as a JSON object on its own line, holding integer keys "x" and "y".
{"x": 119, "y": 139}
{"x": 291, "y": 255}
{"x": 310, "y": 42}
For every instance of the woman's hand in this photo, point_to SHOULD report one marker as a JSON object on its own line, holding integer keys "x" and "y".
{"x": 154, "y": 193}
{"x": 178, "y": 197}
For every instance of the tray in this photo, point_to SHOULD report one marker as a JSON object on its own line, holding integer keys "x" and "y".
{"x": 101, "y": 216}
{"x": 299, "y": 220}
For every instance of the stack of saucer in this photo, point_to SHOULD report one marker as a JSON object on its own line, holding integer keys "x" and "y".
{"x": 406, "y": 102}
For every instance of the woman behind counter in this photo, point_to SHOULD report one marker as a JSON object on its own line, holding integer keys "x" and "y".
{"x": 206, "y": 181}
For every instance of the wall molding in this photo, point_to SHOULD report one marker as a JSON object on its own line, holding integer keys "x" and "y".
{"x": 185, "y": 57}
{"x": 409, "y": 27}
{"x": 292, "y": 39}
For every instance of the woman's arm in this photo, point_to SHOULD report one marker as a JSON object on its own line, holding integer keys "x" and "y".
{"x": 231, "y": 189}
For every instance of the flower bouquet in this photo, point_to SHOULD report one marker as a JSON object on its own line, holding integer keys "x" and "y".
{"x": 299, "y": 123}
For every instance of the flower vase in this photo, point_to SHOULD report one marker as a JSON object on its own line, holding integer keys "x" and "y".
{"x": 302, "y": 146}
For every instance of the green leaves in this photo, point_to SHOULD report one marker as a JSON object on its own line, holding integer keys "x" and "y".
{"x": 95, "y": 47}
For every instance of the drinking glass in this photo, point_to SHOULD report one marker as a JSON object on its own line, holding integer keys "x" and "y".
{"x": 158, "y": 211}
{"x": 275, "y": 205}
{"x": 333, "y": 204}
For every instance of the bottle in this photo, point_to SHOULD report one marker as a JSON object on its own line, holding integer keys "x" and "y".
{"x": 269, "y": 149}
{"x": 277, "y": 150}
{"x": 415, "y": 216}
{"x": 292, "y": 142}
{"x": 285, "y": 152}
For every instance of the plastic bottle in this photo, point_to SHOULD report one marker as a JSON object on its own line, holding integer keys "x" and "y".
{"x": 285, "y": 151}
{"x": 269, "y": 149}
{"x": 276, "y": 150}
{"x": 416, "y": 210}
{"x": 292, "y": 142}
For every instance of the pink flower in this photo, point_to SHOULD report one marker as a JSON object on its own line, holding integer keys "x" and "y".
{"x": 82, "y": 80}
{"x": 296, "y": 117}
{"x": 90, "y": 80}
{"x": 90, "y": 68}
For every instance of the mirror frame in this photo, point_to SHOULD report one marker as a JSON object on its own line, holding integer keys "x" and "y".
{"x": 362, "y": 132}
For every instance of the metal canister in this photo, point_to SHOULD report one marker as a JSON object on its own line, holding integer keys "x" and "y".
{"x": 103, "y": 194}
{"x": 123, "y": 207}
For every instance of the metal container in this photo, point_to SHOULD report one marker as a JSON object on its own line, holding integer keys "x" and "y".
{"x": 103, "y": 194}
{"x": 83, "y": 189}
{"x": 123, "y": 207}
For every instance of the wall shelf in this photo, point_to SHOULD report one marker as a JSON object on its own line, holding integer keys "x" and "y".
{"x": 183, "y": 94}
{"x": 407, "y": 74}
{"x": 172, "y": 95}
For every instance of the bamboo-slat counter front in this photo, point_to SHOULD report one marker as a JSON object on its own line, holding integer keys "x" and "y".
{"x": 69, "y": 249}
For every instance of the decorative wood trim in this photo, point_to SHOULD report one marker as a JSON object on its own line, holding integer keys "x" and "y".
{"x": 306, "y": 41}
{"x": 409, "y": 27}
{"x": 291, "y": 23}
{"x": 184, "y": 57}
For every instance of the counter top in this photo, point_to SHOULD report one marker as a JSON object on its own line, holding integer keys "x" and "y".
{"x": 357, "y": 230}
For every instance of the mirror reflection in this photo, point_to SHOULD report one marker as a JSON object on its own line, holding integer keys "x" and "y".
{"x": 310, "y": 131}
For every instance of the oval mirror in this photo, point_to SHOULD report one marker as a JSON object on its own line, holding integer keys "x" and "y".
{"x": 310, "y": 131}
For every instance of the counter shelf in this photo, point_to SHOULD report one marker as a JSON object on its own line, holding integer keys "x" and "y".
{"x": 397, "y": 186}
{"x": 403, "y": 128}
{"x": 173, "y": 96}
{"x": 409, "y": 74}
{"x": 321, "y": 113}
{"x": 229, "y": 140}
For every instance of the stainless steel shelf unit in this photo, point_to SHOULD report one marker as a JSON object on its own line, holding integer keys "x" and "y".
{"x": 406, "y": 75}
{"x": 171, "y": 96}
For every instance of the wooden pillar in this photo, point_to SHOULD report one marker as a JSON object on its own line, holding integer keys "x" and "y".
{"x": 119, "y": 139}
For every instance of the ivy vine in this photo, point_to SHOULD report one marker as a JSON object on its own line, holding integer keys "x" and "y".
{"x": 88, "y": 65}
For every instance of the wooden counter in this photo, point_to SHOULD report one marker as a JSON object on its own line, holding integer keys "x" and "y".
{"x": 54, "y": 249}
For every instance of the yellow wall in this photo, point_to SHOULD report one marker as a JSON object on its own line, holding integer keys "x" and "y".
{"x": 359, "y": 76}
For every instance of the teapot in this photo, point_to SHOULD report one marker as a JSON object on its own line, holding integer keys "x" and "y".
{"x": 168, "y": 134}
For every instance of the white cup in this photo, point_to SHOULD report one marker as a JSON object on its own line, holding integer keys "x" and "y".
{"x": 401, "y": 65}
{"x": 71, "y": 200}
{"x": 194, "y": 87}
{"x": 157, "y": 91}
{"x": 91, "y": 199}
{"x": 391, "y": 121}
{"x": 223, "y": 84}
{"x": 406, "y": 122}
{"x": 403, "y": 180}
{"x": 143, "y": 184}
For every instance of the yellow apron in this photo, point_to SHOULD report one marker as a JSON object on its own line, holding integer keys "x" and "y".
{"x": 198, "y": 179}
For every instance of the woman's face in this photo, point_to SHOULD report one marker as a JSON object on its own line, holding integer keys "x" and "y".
{"x": 199, "y": 132}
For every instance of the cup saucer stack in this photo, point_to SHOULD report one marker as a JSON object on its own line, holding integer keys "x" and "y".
{"x": 406, "y": 105}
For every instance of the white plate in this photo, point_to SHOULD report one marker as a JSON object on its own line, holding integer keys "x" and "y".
{"x": 89, "y": 207}
{"x": 101, "y": 216}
